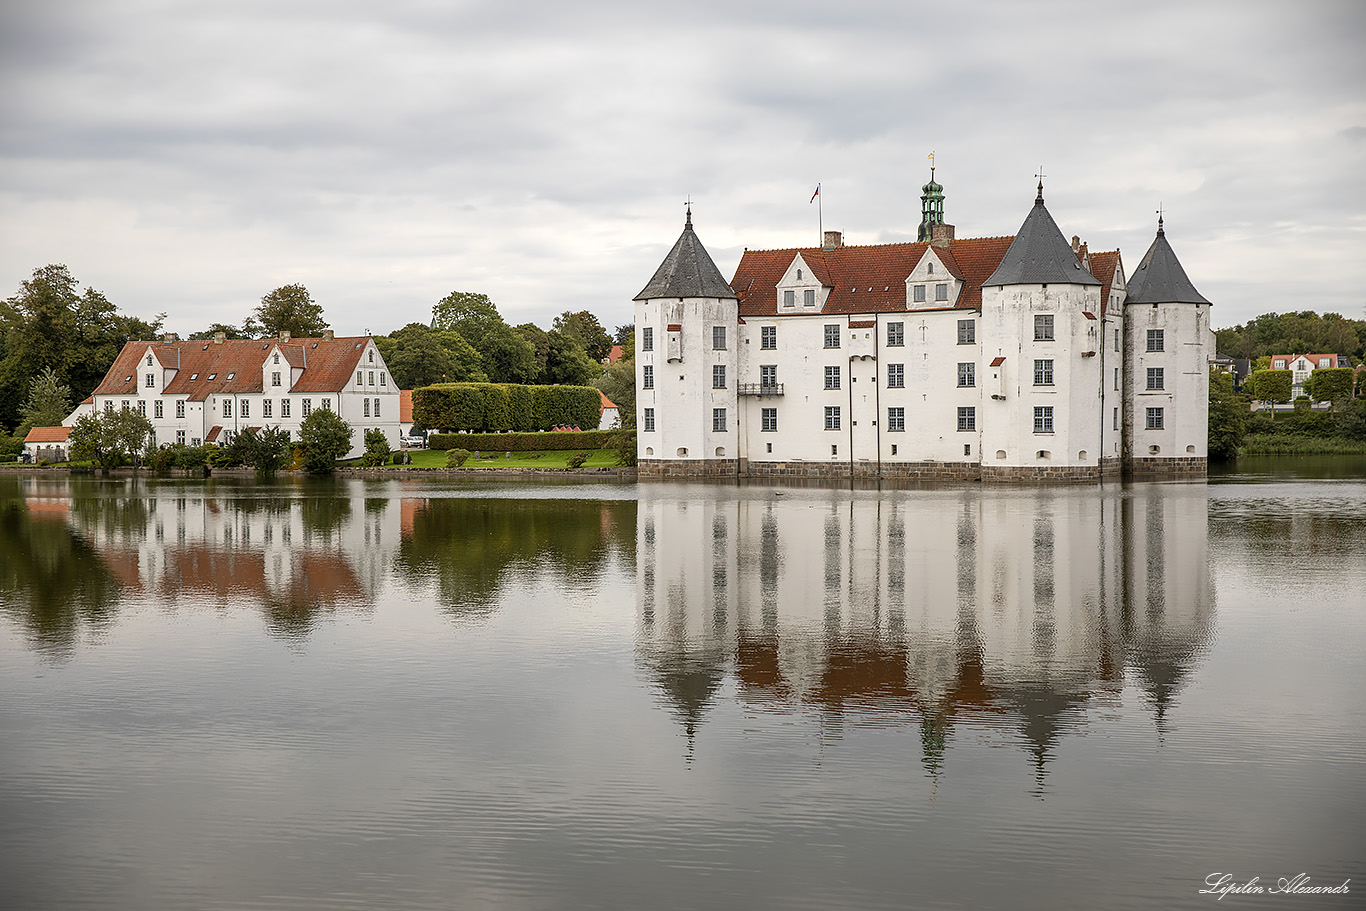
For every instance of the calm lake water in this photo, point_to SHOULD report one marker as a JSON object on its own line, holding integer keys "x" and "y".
{"x": 434, "y": 694}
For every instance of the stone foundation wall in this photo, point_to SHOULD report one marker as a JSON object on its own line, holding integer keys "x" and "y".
{"x": 842, "y": 471}
{"x": 687, "y": 468}
{"x": 1167, "y": 468}
{"x": 1111, "y": 468}
{"x": 1034, "y": 474}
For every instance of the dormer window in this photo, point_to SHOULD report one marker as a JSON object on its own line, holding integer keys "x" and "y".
{"x": 789, "y": 298}
{"x": 276, "y": 359}
{"x": 149, "y": 360}
{"x": 929, "y": 268}
{"x": 371, "y": 357}
{"x": 799, "y": 278}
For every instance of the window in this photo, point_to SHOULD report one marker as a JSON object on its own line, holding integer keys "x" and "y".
{"x": 1043, "y": 373}
{"x": 718, "y": 338}
{"x": 1116, "y": 420}
{"x": 799, "y": 275}
{"x": 275, "y": 378}
{"x": 1155, "y": 377}
{"x": 109, "y": 405}
{"x": 647, "y": 377}
{"x": 149, "y": 360}
{"x": 967, "y": 419}
{"x": 232, "y": 376}
{"x": 967, "y": 332}
{"x": 366, "y": 409}
{"x": 159, "y": 409}
{"x": 383, "y": 379}
{"x": 376, "y": 407}
{"x": 266, "y": 408}
{"x": 124, "y": 404}
{"x": 929, "y": 268}
{"x": 1043, "y": 419}
{"x": 649, "y": 420}
{"x": 372, "y": 377}
{"x": 307, "y": 408}
{"x": 896, "y": 376}
{"x": 1279, "y": 365}
{"x": 1116, "y": 341}
{"x": 647, "y": 339}
{"x": 227, "y": 408}
{"x": 941, "y": 292}
{"x": 246, "y": 408}
{"x": 275, "y": 358}
{"x": 918, "y": 294}
{"x": 718, "y": 420}
{"x": 768, "y": 337}
{"x": 967, "y": 374}
{"x": 896, "y": 420}
{"x": 832, "y": 377}
{"x": 718, "y": 376}
{"x": 896, "y": 335}
{"x": 180, "y": 437}
{"x": 180, "y": 408}
{"x": 1116, "y": 379}
{"x": 1155, "y": 340}
{"x": 284, "y": 408}
{"x": 789, "y": 298}
{"x": 360, "y": 378}
{"x": 371, "y": 356}
{"x": 142, "y": 406}
{"x": 768, "y": 375}
{"x": 1043, "y": 327}
{"x": 809, "y": 297}
{"x": 832, "y": 336}
{"x": 151, "y": 380}
{"x": 327, "y": 404}
{"x": 769, "y": 420}
{"x": 832, "y": 417}
{"x": 1154, "y": 418}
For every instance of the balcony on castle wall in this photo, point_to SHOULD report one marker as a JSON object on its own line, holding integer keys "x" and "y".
{"x": 761, "y": 388}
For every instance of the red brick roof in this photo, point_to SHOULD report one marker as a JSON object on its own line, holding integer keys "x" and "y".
{"x": 866, "y": 279}
{"x": 1102, "y": 266}
{"x": 234, "y": 366}
{"x": 48, "y": 435}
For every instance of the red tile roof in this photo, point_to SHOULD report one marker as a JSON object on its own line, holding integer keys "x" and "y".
{"x": 606, "y": 402}
{"x": 234, "y": 366}
{"x": 1102, "y": 266}
{"x": 405, "y": 406}
{"x": 48, "y": 435}
{"x": 615, "y": 354}
{"x": 866, "y": 279}
{"x": 213, "y": 433}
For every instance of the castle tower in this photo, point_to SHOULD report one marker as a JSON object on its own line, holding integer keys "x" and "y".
{"x": 687, "y": 342}
{"x": 931, "y": 209}
{"x": 1166, "y": 367}
{"x": 1039, "y": 337}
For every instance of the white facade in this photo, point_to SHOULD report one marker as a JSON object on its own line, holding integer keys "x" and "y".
{"x": 907, "y": 360}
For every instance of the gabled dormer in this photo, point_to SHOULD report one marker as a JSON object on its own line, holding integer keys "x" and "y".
{"x": 277, "y": 377}
{"x": 801, "y": 290}
{"x": 931, "y": 283}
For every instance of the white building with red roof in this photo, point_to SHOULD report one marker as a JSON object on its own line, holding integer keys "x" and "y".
{"x": 48, "y": 444}
{"x": 995, "y": 357}
{"x": 199, "y": 391}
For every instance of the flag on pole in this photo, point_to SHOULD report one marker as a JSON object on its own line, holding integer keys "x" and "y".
{"x": 814, "y": 195}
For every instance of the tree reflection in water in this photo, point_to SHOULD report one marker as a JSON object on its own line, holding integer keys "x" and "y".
{"x": 1011, "y": 611}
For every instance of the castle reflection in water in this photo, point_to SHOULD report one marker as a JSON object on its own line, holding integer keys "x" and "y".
{"x": 1014, "y": 610}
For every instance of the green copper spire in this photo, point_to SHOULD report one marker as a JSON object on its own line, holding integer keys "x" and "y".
{"x": 931, "y": 206}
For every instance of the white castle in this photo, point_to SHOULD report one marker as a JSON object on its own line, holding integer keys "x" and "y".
{"x": 995, "y": 358}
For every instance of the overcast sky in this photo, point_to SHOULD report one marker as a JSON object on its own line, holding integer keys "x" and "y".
{"x": 188, "y": 157}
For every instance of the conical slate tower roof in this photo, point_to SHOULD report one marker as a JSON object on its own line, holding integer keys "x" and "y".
{"x": 1159, "y": 278}
{"x": 687, "y": 271}
{"x": 1040, "y": 255}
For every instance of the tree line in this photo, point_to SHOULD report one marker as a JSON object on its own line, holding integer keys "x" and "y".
{"x": 1306, "y": 332}
{"x": 57, "y": 342}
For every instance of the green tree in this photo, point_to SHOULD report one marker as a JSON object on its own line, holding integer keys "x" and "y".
{"x": 290, "y": 308}
{"x": 326, "y": 438}
{"x": 625, "y": 336}
{"x": 111, "y": 437}
{"x": 228, "y": 330}
{"x": 472, "y": 315}
{"x": 1227, "y": 417}
{"x": 49, "y": 402}
{"x": 540, "y": 348}
{"x": 1269, "y": 385}
{"x": 1329, "y": 384}
{"x": 265, "y": 450}
{"x": 585, "y": 329}
{"x": 618, "y": 383}
{"x": 567, "y": 363}
{"x": 507, "y": 356}
{"x": 419, "y": 356}
{"x": 376, "y": 448}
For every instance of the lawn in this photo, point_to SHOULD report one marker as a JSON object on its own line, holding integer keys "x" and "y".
{"x": 551, "y": 458}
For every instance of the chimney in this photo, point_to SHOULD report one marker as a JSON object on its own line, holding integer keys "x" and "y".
{"x": 1076, "y": 243}
{"x": 169, "y": 338}
{"x": 941, "y": 235}
{"x": 284, "y": 335}
{"x": 833, "y": 240}
{"x": 218, "y": 338}
{"x": 327, "y": 335}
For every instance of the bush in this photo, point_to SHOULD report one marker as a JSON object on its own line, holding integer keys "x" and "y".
{"x": 623, "y": 443}
{"x": 577, "y": 459}
{"x": 163, "y": 460}
{"x": 457, "y": 457}
{"x": 192, "y": 457}
{"x": 532, "y": 442}
{"x": 491, "y": 407}
{"x": 376, "y": 448}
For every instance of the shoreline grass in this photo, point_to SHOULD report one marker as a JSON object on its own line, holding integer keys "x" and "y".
{"x": 1293, "y": 444}
{"x": 545, "y": 458}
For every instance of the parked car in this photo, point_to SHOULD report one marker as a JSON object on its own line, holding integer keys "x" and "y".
{"x": 414, "y": 440}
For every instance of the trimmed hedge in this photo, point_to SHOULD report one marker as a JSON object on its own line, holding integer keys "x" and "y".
{"x": 529, "y": 442}
{"x": 495, "y": 407}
